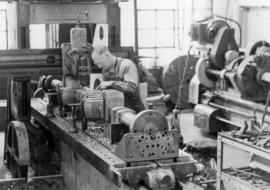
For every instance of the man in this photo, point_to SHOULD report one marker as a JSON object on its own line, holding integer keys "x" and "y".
{"x": 119, "y": 74}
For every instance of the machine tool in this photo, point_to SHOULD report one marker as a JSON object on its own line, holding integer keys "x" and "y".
{"x": 86, "y": 135}
{"x": 230, "y": 90}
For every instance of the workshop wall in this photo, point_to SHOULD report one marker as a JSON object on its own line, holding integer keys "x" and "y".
{"x": 253, "y": 16}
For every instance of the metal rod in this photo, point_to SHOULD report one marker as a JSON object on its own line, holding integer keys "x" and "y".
{"x": 208, "y": 181}
{"x": 248, "y": 105}
{"x": 127, "y": 118}
{"x": 266, "y": 106}
{"x": 136, "y": 27}
{"x": 27, "y": 66}
{"x": 261, "y": 165}
{"x": 34, "y": 178}
{"x": 213, "y": 72}
{"x": 31, "y": 52}
{"x": 228, "y": 122}
{"x": 229, "y": 109}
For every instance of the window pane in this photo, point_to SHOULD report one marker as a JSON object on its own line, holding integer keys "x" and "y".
{"x": 166, "y": 4}
{"x": 147, "y": 53}
{"x": 147, "y": 57}
{"x": 165, "y": 38}
{"x": 156, "y": 4}
{"x": 202, "y": 4}
{"x": 162, "y": 56}
{"x": 127, "y": 38}
{"x": 37, "y": 35}
{"x": 167, "y": 55}
{"x": 126, "y": 5}
{"x": 146, "y": 19}
{"x": 2, "y": 21}
{"x": 3, "y": 5}
{"x": 165, "y": 19}
{"x": 202, "y": 14}
{"x": 3, "y": 40}
{"x": 127, "y": 19}
{"x": 146, "y": 4}
{"x": 3, "y": 32}
{"x": 146, "y": 38}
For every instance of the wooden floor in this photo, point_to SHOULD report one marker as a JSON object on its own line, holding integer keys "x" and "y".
{"x": 189, "y": 132}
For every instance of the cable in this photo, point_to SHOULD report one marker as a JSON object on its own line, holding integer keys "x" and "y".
{"x": 237, "y": 23}
{"x": 178, "y": 23}
{"x": 181, "y": 80}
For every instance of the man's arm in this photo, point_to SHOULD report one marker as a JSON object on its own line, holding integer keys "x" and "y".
{"x": 124, "y": 86}
{"x": 128, "y": 71}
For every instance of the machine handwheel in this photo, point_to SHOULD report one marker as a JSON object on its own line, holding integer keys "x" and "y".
{"x": 22, "y": 171}
{"x": 172, "y": 76}
{"x": 17, "y": 149}
{"x": 17, "y": 170}
{"x": 252, "y": 50}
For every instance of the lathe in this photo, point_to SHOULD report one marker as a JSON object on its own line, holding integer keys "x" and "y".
{"x": 88, "y": 136}
{"x": 230, "y": 91}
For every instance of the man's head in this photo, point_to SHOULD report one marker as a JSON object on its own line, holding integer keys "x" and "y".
{"x": 102, "y": 57}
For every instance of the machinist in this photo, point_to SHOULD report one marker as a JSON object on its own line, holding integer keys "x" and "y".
{"x": 119, "y": 74}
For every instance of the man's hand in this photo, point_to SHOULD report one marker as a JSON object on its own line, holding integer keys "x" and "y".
{"x": 104, "y": 85}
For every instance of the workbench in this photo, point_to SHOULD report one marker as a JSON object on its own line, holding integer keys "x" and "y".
{"x": 86, "y": 163}
{"x": 241, "y": 165}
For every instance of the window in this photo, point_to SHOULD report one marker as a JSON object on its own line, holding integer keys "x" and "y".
{"x": 156, "y": 29}
{"x": 3, "y": 29}
{"x": 163, "y": 27}
{"x": 37, "y": 34}
{"x": 127, "y": 24}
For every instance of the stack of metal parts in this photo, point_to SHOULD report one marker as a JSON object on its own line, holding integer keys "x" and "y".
{"x": 260, "y": 139}
{"x": 252, "y": 172}
{"x": 252, "y": 177}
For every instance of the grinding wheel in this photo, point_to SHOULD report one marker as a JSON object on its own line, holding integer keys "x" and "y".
{"x": 171, "y": 78}
{"x": 149, "y": 121}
